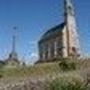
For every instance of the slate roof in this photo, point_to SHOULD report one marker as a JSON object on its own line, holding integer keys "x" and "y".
{"x": 51, "y": 32}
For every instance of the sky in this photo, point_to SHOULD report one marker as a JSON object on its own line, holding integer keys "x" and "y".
{"x": 32, "y": 19}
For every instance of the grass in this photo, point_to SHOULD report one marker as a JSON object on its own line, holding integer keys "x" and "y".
{"x": 68, "y": 82}
{"x": 42, "y": 69}
{"x": 61, "y": 75}
{"x": 37, "y": 70}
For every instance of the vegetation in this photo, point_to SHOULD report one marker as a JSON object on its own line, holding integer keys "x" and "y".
{"x": 69, "y": 83}
{"x": 60, "y": 75}
{"x": 69, "y": 64}
{"x": 36, "y": 70}
{"x": 44, "y": 69}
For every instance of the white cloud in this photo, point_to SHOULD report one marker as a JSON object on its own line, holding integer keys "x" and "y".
{"x": 32, "y": 58}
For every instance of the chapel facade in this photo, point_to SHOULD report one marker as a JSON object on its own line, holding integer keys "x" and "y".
{"x": 62, "y": 40}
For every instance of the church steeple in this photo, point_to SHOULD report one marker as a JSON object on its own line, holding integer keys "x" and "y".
{"x": 71, "y": 28}
{"x": 68, "y": 8}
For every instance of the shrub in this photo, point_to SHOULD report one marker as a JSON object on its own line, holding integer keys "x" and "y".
{"x": 68, "y": 64}
{"x": 66, "y": 84}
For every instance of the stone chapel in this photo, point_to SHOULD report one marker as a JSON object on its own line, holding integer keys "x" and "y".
{"x": 61, "y": 41}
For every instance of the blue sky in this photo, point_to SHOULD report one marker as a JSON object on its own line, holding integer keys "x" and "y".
{"x": 33, "y": 18}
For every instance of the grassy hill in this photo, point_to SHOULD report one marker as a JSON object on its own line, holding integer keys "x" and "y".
{"x": 59, "y": 75}
{"x": 42, "y": 69}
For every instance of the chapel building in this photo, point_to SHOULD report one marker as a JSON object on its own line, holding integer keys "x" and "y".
{"x": 61, "y": 41}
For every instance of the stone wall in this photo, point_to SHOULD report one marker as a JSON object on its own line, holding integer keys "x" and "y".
{"x": 51, "y": 48}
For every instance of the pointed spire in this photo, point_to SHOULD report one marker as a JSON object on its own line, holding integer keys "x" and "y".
{"x": 69, "y": 10}
{"x": 71, "y": 27}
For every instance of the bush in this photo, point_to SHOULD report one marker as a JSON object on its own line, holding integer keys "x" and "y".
{"x": 68, "y": 64}
{"x": 66, "y": 84}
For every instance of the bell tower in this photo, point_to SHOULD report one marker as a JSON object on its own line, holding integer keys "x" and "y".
{"x": 71, "y": 29}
